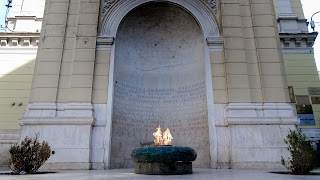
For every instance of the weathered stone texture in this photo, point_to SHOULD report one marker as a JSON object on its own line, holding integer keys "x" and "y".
{"x": 159, "y": 64}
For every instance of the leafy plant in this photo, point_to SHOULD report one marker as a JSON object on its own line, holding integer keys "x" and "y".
{"x": 303, "y": 157}
{"x": 29, "y": 155}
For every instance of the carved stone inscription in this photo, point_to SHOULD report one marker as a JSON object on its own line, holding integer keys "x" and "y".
{"x": 159, "y": 79}
{"x": 144, "y": 109}
{"x": 138, "y": 111}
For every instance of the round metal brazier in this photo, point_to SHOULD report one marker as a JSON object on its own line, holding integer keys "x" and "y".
{"x": 163, "y": 160}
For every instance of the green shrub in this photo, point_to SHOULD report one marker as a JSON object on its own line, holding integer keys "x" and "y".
{"x": 28, "y": 156}
{"x": 303, "y": 157}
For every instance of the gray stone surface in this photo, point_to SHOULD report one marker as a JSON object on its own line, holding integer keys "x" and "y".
{"x": 4, "y": 155}
{"x": 7, "y": 139}
{"x": 172, "y": 168}
{"x": 125, "y": 174}
{"x": 159, "y": 79}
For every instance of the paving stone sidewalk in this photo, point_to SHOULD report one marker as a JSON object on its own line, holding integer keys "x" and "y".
{"x": 199, "y": 174}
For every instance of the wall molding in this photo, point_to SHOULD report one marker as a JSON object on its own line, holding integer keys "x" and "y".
{"x": 261, "y": 114}
{"x": 20, "y": 40}
{"x": 297, "y": 43}
{"x": 200, "y": 10}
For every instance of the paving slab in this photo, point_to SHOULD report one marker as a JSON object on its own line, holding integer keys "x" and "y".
{"x": 125, "y": 174}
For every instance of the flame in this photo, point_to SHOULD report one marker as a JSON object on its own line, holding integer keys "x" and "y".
{"x": 158, "y": 137}
{"x": 162, "y": 140}
{"x": 167, "y": 137}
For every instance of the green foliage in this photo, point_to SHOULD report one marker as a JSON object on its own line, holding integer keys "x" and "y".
{"x": 28, "y": 156}
{"x": 303, "y": 157}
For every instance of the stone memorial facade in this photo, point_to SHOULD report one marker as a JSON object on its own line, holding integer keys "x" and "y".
{"x": 109, "y": 72}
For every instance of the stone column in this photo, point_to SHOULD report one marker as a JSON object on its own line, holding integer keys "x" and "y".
{"x": 259, "y": 101}
{"x": 253, "y": 65}
{"x": 235, "y": 54}
{"x": 48, "y": 63}
{"x": 269, "y": 53}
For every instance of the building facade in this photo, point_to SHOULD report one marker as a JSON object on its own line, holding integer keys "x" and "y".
{"x": 18, "y": 54}
{"x": 215, "y": 72}
{"x": 302, "y": 76}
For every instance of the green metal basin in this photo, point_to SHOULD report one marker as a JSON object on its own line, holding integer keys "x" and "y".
{"x": 163, "y": 154}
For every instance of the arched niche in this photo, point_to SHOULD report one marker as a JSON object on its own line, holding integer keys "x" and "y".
{"x": 211, "y": 41}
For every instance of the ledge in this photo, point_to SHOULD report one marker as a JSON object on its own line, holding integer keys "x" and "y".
{"x": 259, "y": 106}
{"x": 56, "y": 121}
{"x": 298, "y": 41}
{"x": 9, "y": 141}
{"x": 262, "y": 121}
{"x": 261, "y": 114}
{"x": 215, "y": 43}
{"x": 104, "y": 43}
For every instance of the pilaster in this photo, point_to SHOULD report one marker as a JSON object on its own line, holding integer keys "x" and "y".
{"x": 271, "y": 67}
{"x": 84, "y": 51}
{"x": 61, "y": 110}
{"x": 248, "y": 11}
{"x": 235, "y": 54}
{"x": 49, "y": 55}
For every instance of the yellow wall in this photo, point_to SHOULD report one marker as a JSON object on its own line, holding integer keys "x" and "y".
{"x": 16, "y": 72}
{"x": 302, "y": 73}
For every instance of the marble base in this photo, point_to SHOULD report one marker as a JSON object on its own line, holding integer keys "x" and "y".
{"x": 66, "y": 127}
{"x": 173, "y": 168}
{"x": 66, "y": 166}
{"x": 251, "y": 135}
{"x": 7, "y": 139}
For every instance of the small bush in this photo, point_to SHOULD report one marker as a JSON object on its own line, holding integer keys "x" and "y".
{"x": 28, "y": 156}
{"x": 303, "y": 157}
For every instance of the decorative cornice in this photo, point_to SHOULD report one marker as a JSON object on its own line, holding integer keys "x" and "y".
{"x": 212, "y": 4}
{"x": 297, "y": 40}
{"x": 19, "y": 39}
